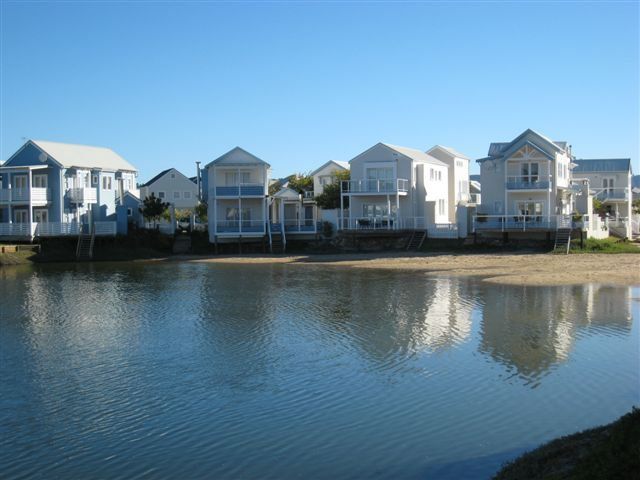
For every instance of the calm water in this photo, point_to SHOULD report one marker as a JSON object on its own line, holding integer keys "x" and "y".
{"x": 293, "y": 371}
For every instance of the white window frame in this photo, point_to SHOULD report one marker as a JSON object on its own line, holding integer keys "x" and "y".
{"x": 161, "y": 195}
{"x": 41, "y": 180}
{"x": 186, "y": 195}
{"x": 176, "y": 195}
{"x": 19, "y": 182}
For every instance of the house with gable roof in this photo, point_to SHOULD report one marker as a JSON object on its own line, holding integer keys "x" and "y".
{"x": 173, "y": 187}
{"x": 52, "y": 188}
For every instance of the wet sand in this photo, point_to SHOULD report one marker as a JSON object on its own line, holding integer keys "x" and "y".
{"x": 513, "y": 268}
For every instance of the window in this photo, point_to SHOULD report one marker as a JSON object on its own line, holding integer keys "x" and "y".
{"x": 186, "y": 195}
{"x": 106, "y": 183}
{"x": 233, "y": 215}
{"x": 377, "y": 210}
{"x": 40, "y": 181}
{"x": 94, "y": 180}
{"x": 176, "y": 195}
{"x": 232, "y": 178}
{"x": 431, "y": 174}
{"x": 529, "y": 172}
{"x": 439, "y": 175}
{"x": 173, "y": 175}
{"x": 607, "y": 184}
{"x": 20, "y": 181}
{"x": 459, "y": 163}
{"x": 441, "y": 207}
{"x": 161, "y": 195}
{"x": 382, "y": 177}
{"x": 129, "y": 212}
{"x": 529, "y": 208}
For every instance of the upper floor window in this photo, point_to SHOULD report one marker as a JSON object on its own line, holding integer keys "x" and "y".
{"x": 176, "y": 195}
{"x": 431, "y": 174}
{"x": 529, "y": 172}
{"x": 441, "y": 207}
{"x": 459, "y": 163}
{"x": 607, "y": 184}
{"x": 106, "y": 183}
{"x": 161, "y": 195}
{"x": 235, "y": 178}
{"x": 187, "y": 195}
{"x": 19, "y": 181}
{"x": 94, "y": 180}
{"x": 40, "y": 181}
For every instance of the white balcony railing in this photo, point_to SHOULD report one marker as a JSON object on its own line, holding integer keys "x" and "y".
{"x": 55, "y": 229}
{"x": 239, "y": 190}
{"x": 613, "y": 193}
{"x": 35, "y": 195}
{"x": 295, "y": 225}
{"x": 22, "y": 230}
{"x": 82, "y": 195}
{"x": 527, "y": 182}
{"x": 523, "y": 223}
{"x": 399, "y": 185}
{"x": 58, "y": 229}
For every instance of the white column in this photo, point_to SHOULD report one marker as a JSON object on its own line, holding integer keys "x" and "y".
{"x": 215, "y": 216}
{"x": 341, "y": 225}
{"x": 239, "y": 210}
{"x": 10, "y": 199}
{"x": 397, "y": 210}
{"x": 29, "y": 185}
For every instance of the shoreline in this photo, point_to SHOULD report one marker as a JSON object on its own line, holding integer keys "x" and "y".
{"x": 498, "y": 268}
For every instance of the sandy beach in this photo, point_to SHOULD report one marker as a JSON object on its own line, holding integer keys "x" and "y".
{"x": 512, "y": 268}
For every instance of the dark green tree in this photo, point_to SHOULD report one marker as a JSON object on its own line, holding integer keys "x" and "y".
{"x": 330, "y": 196}
{"x": 201, "y": 212}
{"x": 153, "y": 208}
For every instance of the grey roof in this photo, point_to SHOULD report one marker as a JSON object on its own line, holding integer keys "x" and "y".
{"x": 593, "y": 165}
{"x": 70, "y": 155}
{"x": 146, "y": 184}
{"x": 237, "y": 156}
{"x": 415, "y": 154}
{"x": 343, "y": 165}
{"x": 497, "y": 149}
{"x": 451, "y": 151}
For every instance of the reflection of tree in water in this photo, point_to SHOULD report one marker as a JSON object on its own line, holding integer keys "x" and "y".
{"x": 531, "y": 329}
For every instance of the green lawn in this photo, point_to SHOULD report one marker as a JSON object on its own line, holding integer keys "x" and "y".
{"x": 606, "y": 245}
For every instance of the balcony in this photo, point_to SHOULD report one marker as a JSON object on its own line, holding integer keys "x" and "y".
{"x": 398, "y": 185}
{"x": 241, "y": 227}
{"x": 82, "y": 195}
{"x": 527, "y": 182}
{"x": 35, "y": 195}
{"x": 242, "y": 190}
{"x": 611, "y": 194}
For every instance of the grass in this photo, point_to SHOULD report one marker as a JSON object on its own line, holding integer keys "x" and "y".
{"x": 605, "y": 245}
{"x": 611, "y": 451}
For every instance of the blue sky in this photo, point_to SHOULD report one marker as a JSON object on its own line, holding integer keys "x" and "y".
{"x": 166, "y": 84}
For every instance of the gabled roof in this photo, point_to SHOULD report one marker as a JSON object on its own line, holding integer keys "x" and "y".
{"x": 237, "y": 157}
{"x": 594, "y": 165}
{"x": 539, "y": 141}
{"x": 449, "y": 150}
{"x": 287, "y": 193}
{"x": 338, "y": 163}
{"x": 414, "y": 154}
{"x": 69, "y": 155}
{"x": 161, "y": 174}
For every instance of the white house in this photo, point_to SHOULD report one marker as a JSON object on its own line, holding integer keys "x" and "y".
{"x": 527, "y": 180}
{"x": 395, "y": 188}
{"x": 326, "y": 174}
{"x": 238, "y": 189}
{"x": 610, "y": 182}
{"x": 52, "y": 188}
{"x": 458, "y": 177}
{"x": 173, "y": 187}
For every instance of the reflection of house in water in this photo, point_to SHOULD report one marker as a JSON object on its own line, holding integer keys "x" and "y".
{"x": 532, "y": 328}
{"x": 397, "y": 315}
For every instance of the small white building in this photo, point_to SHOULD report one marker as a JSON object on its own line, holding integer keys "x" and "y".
{"x": 327, "y": 174}
{"x": 173, "y": 187}
{"x": 458, "y": 177}
{"x": 238, "y": 184}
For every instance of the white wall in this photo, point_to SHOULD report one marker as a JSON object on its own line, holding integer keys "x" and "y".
{"x": 178, "y": 190}
{"x": 328, "y": 173}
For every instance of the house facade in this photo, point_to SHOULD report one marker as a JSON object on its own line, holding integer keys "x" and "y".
{"x": 610, "y": 182}
{"x": 238, "y": 191}
{"x": 173, "y": 187}
{"x": 327, "y": 174}
{"x": 59, "y": 184}
{"x": 458, "y": 177}
{"x": 395, "y": 188}
{"x": 526, "y": 179}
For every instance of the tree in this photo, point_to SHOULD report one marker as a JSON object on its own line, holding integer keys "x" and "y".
{"x": 301, "y": 182}
{"x": 636, "y": 206}
{"x": 153, "y": 208}
{"x": 330, "y": 196}
{"x": 201, "y": 212}
{"x": 599, "y": 208}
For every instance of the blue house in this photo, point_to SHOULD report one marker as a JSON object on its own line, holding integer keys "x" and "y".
{"x": 52, "y": 188}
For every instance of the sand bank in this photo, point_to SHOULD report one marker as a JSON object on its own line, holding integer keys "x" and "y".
{"x": 513, "y": 268}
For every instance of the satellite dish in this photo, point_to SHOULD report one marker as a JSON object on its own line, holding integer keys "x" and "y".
{"x": 42, "y": 157}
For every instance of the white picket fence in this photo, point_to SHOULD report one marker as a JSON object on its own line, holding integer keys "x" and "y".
{"x": 55, "y": 229}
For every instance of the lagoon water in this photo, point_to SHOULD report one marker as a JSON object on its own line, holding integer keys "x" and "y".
{"x": 296, "y": 371}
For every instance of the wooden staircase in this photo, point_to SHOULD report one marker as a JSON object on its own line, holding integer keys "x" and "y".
{"x": 277, "y": 243}
{"x": 563, "y": 240}
{"x": 416, "y": 240}
{"x": 84, "y": 249}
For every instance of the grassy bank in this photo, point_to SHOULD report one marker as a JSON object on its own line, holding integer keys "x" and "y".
{"x": 611, "y": 451}
{"x": 605, "y": 245}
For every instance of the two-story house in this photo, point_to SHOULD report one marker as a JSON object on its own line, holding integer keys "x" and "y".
{"x": 173, "y": 187}
{"x": 610, "y": 182}
{"x": 395, "y": 188}
{"x": 237, "y": 197}
{"x": 327, "y": 174}
{"x": 458, "y": 184}
{"x": 526, "y": 181}
{"x": 59, "y": 183}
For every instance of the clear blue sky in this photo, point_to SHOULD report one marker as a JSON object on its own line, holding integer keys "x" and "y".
{"x": 166, "y": 84}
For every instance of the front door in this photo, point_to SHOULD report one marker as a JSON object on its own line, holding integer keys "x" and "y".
{"x": 41, "y": 216}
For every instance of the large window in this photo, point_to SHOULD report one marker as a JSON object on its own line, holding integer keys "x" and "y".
{"x": 233, "y": 179}
{"x": 442, "y": 205}
{"x": 377, "y": 210}
{"x": 529, "y": 172}
{"x": 106, "y": 183}
{"x": 20, "y": 181}
{"x": 40, "y": 181}
{"x": 234, "y": 214}
{"x": 607, "y": 184}
{"x": 529, "y": 208}
{"x": 382, "y": 176}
